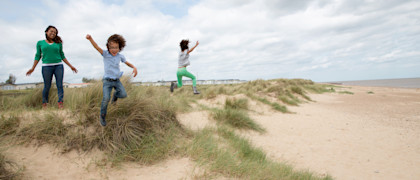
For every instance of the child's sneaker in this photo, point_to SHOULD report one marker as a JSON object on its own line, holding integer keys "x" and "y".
{"x": 44, "y": 105}
{"x": 114, "y": 99}
{"x": 60, "y": 105}
{"x": 102, "y": 120}
{"x": 195, "y": 90}
{"x": 173, "y": 86}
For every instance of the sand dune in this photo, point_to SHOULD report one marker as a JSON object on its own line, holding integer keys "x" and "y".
{"x": 359, "y": 136}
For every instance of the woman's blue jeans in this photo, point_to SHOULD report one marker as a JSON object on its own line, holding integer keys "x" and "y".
{"x": 107, "y": 88}
{"x": 47, "y": 74}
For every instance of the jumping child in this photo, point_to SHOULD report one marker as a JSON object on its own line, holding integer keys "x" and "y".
{"x": 112, "y": 75}
{"x": 183, "y": 62}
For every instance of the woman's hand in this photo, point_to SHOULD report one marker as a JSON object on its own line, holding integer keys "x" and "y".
{"x": 74, "y": 69}
{"x": 30, "y": 72}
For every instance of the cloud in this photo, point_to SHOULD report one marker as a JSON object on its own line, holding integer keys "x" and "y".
{"x": 315, "y": 39}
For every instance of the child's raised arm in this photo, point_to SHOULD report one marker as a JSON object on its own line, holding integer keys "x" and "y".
{"x": 132, "y": 66}
{"x": 88, "y": 37}
{"x": 193, "y": 47}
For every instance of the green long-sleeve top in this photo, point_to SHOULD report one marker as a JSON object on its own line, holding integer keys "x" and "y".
{"x": 50, "y": 53}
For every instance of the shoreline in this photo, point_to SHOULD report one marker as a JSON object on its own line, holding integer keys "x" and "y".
{"x": 411, "y": 83}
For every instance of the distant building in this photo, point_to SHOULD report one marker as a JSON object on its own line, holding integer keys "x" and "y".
{"x": 8, "y": 86}
{"x": 78, "y": 85}
{"x": 28, "y": 86}
{"x": 189, "y": 82}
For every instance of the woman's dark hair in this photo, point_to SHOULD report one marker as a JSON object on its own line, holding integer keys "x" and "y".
{"x": 117, "y": 39}
{"x": 57, "y": 38}
{"x": 184, "y": 44}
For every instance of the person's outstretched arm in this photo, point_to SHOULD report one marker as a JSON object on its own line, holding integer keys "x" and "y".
{"x": 132, "y": 66}
{"x": 193, "y": 48}
{"x": 88, "y": 37}
{"x": 68, "y": 64}
{"x": 33, "y": 68}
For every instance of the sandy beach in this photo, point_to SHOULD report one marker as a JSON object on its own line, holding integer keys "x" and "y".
{"x": 371, "y": 134}
{"x": 359, "y": 136}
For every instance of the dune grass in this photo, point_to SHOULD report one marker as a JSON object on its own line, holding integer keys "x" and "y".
{"x": 345, "y": 92}
{"x": 9, "y": 125}
{"x": 229, "y": 155}
{"x": 236, "y": 118}
{"x": 234, "y": 103}
{"x": 9, "y": 169}
{"x": 234, "y": 114}
{"x": 143, "y": 127}
{"x": 276, "y": 106}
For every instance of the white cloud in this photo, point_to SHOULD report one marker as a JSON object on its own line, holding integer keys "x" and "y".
{"x": 238, "y": 39}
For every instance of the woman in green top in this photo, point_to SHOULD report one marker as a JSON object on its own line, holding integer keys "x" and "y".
{"x": 51, "y": 51}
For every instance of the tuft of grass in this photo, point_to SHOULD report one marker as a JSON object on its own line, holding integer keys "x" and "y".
{"x": 236, "y": 118}
{"x": 234, "y": 103}
{"x": 9, "y": 125}
{"x": 9, "y": 169}
{"x": 345, "y": 92}
{"x": 151, "y": 147}
{"x": 320, "y": 88}
{"x": 280, "y": 108}
{"x": 50, "y": 129}
{"x": 274, "y": 105}
{"x": 287, "y": 100}
{"x": 370, "y": 92}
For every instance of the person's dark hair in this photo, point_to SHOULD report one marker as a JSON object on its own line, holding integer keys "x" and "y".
{"x": 184, "y": 44}
{"x": 57, "y": 38}
{"x": 117, "y": 39}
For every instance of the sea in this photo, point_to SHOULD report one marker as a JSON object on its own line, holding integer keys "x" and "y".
{"x": 399, "y": 83}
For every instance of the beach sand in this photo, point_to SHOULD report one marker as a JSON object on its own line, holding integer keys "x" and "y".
{"x": 359, "y": 136}
{"x": 363, "y": 135}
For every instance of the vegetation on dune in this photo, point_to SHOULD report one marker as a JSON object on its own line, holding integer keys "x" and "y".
{"x": 9, "y": 169}
{"x": 144, "y": 128}
{"x": 234, "y": 114}
{"x": 227, "y": 154}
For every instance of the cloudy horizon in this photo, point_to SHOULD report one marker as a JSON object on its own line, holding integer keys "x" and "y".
{"x": 320, "y": 40}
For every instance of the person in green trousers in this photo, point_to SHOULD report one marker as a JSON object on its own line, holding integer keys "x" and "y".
{"x": 183, "y": 62}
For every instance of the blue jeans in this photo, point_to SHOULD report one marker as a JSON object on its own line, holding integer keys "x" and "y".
{"x": 107, "y": 88}
{"x": 47, "y": 74}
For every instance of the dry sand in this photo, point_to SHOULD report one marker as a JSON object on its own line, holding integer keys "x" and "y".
{"x": 359, "y": 136}
{"x": 46, "y": 162}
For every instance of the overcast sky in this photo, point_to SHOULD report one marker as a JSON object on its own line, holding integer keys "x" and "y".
{"x": 321, "y": 40}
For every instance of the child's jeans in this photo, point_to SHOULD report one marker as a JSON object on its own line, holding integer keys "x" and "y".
{"x": 47, "y": 74}
{"x": 107, "y": 88}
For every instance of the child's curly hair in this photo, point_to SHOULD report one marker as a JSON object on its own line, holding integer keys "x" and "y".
{"x": 117, "y": 39}
{"x": 184, "y": 44}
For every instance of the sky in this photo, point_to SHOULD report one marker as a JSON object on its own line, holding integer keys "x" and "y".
{"x": 320, "y": 40}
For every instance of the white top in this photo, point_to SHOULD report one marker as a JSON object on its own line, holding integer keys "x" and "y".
{"x": 183, "y": 58}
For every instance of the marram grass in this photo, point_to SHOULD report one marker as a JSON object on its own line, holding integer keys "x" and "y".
{"x": 229, "y": 155}
{"x": 143, "y": 127}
